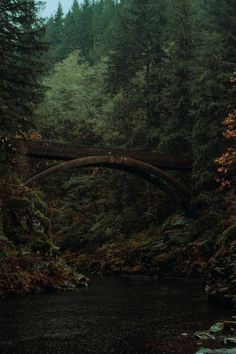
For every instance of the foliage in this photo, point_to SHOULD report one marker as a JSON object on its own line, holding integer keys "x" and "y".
{"x": 21, "y": 50}
{"x": 138, "y": 74}
{"x": 179, "y": 46}
{"x": 227, "y": 161}
{"x": 73, "y": 101}
{"x": 86, "y": 27}
{"x": 23, "y": 215}
{"x": 228, "y": 235}
{"x": 211, "y": 91}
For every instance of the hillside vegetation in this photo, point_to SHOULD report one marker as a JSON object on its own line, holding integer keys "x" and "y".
{"x": 131, "y": 74}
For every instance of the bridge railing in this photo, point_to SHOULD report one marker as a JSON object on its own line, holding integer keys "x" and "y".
{"x": 55, "y": 150}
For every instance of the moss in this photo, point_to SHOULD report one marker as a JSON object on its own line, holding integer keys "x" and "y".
{"x": 43, "y": 220}
{"x": 24, "y": 214}
{"x": 228, "y": 235}
{"x": 50, "y": 246}
{"x": 38, "y": 202}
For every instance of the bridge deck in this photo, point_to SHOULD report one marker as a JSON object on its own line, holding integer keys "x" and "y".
{"x": 64, "y": 152}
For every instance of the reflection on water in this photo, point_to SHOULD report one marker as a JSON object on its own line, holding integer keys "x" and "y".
{"x": 113, "y": 315}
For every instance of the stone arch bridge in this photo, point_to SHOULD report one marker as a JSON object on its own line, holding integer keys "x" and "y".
{"x": 154, "y": 167}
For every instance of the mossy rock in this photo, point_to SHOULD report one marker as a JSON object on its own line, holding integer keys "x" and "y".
{"x": 176, "y": 221}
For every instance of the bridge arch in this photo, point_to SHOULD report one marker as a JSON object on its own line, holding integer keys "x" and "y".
{"x": 174, "y": 189}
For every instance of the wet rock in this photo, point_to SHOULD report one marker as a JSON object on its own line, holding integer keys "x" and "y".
{"x": 184, "y": 334}
{"x": 217, "y": 328}
{"x": 222, "y": 333}
{"x": 81, "y": 281}
{"x": 68, "y": 285}
{"x": 204, "y": 335}
{"x": 230, "y": 326}
{"x": 216, "y": 351}
{"x": 223, "y": 291}
{"x": 173, "y": 231}
{"x": 230, "y": 341}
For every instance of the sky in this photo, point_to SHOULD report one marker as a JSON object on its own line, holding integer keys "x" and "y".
{"x": 51, "y": 6}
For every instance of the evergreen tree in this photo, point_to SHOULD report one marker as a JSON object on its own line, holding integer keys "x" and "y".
{"x": 211, "y": 91}
{"x": 55, "y": 36}
{"x": 137, "y": 55}
{"x": 86, "y": 30}
{"x": 87, "y": 27}
{"x": 72, "y": 28}
{"x": 21, "y": 49}
{"x": 177, "y": 71}
{"x": 104, "y": 15}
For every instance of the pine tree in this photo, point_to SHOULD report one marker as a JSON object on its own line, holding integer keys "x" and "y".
{"x": 21, "y": 50}
{"x": 137, "y": 55}
{"x": 211, "y": 91}
{"x": 104, "y": 15}
{"x": 55, "y": 36}
{"x": 86, "y": 30}
{"x": 177, "y": 72}
{"x": 72, "y": 28}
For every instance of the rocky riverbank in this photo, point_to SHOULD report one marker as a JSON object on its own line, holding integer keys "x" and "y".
{"x": 30, "y": 259}
{"x": 219, "y": 339}
{"x": 200, "y": 246}
{"x": 221, "y": 276}
{"x": 172, "y": 251}
{"x": 23, "y": 272}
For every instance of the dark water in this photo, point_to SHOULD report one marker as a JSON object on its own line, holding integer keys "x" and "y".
{"x": 113, "y": 315}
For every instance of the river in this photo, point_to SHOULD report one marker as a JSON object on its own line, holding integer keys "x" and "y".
{"x": 112, "y": 315}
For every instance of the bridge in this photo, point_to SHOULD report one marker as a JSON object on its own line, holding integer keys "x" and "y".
{"x": 150, "y": 166}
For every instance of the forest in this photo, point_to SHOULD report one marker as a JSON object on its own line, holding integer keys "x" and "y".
{"x": 127, "y": 76}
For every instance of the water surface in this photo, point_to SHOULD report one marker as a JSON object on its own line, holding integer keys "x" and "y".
{"x": 113, "y": 315}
